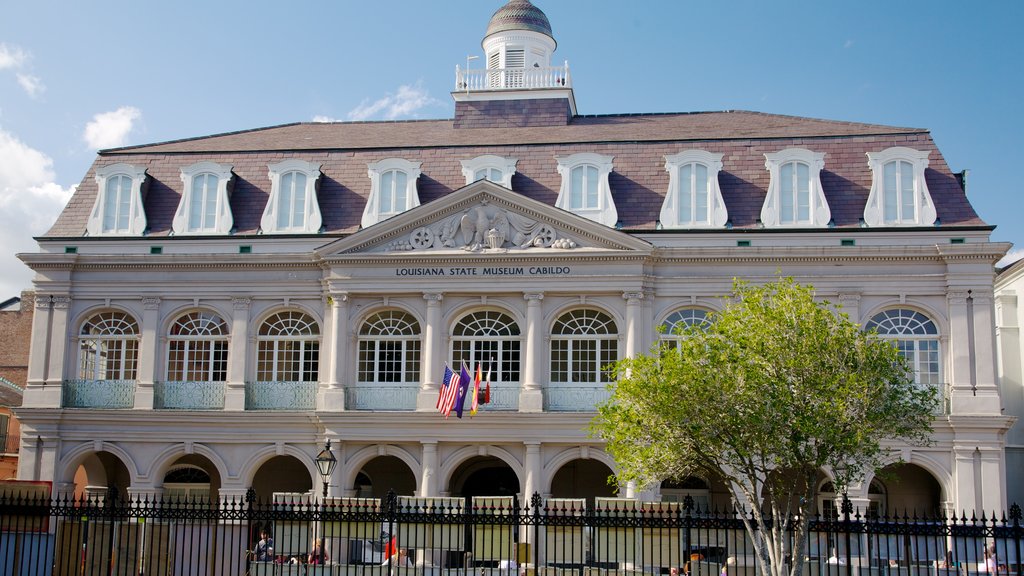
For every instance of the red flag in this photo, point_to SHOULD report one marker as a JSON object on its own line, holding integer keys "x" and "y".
{"x": 391, "y": 548}
{"x": 487, "y": 387}
{"x": 475, "y": 403}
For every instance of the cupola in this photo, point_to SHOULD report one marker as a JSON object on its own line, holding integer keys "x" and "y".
{"x": 517, "y": 86}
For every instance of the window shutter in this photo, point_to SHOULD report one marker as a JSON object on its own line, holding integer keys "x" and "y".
{"x": 515, "y": 59}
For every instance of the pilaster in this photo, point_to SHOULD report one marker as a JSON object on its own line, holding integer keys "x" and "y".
{"x": 35, "y": 389}
{"x": 984, "y": 347}
{"x": 148, "y": 343}
{"x": 433, "y": 350}
{"x": 428, "y": 476}
{"x": 531, "y": 398}
{"x": 234, "y": 395}
{"x": 332, "y": 399}
{"x": 633, "y": 324}
{"x": 960, "y": 384}
{"x": 58, "y": 342}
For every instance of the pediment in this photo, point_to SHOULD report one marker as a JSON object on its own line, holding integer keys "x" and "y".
{"x": 483, "y": 217}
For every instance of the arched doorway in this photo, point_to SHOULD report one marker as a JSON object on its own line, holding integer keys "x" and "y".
{"x": 99, "y": 473}
{"x": 582, "y": 478}
{"x": 382, "y": 474}
{"x": 709, "y": 495}
{"x": 191, "y": 478}
{"x": 484, "y": 476}
{"x": 909, "y": 490}
{"x": 281, "y": 474}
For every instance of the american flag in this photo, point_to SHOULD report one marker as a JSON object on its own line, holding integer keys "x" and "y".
{"x": 449, "y": 391}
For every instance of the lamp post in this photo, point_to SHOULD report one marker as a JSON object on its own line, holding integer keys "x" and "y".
{"x": 325, "y": 463}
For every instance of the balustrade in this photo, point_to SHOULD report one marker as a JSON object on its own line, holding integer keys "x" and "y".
{"x": 574, "y": 398}
{"x": 280, "y": 395}
{"x": 512, "y": 78}
{"x": 114, "y": 394}
{"x": 188, "y": 395}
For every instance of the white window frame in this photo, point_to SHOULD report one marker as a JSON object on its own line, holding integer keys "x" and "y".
{"x": 207, "y": 344}
{"x": 924, "y": 207}
{"x": 312, "y": 220}
{"x": 480, "y": 329}
{"x": 605, "y": 211}
{"x": 771, "y": 212}
{"x": 397, "y": 332}
{"x": 577, "y": 345}
{"x": 105, "y": 338}
{"x": 717, "y": 213}
{"x": 223, "y": 220}
{"x": 909, "y": 330}
{"x": 283, "y": 342}
{"x": 680, "y": 318}
{"x": 136, "y": 213}
{"x": 372, "y": 213}
{"x": 507, "y": 167}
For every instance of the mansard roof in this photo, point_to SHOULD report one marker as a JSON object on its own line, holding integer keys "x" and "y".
{"x": 638, "y": 143}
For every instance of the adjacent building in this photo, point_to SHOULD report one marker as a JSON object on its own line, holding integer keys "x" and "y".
{"x": 211, "y": 310}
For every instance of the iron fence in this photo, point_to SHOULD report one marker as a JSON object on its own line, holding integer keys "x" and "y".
{"x": 296, "y": 535}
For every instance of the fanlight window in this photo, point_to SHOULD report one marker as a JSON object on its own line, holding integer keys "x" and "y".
{"x": 389, "y": 348}
{"x": 916, "y": 337}
{"x": 197, "y": 348}
{"x": 680, "y": 320}
{"x": 108, "y": 346}
{"x": 583, "y": 342}
{"x": 288, "y": 348}
{"x": 490, "y": 339}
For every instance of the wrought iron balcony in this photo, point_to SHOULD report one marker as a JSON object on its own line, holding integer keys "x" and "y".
{"x": 384, "y": 397}
{"x": 573, "y": 398}
{"x": 110, "y": 394}
{"x": 280, "y": 395}
{"x": 188, "y": 395}
{"x": 512, "y": 78}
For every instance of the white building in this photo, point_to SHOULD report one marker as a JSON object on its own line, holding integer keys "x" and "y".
{"x": 1009, "y": 287}
{"x": 211, "y": 310}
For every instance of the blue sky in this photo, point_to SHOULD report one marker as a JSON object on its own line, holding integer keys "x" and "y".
{"x": 77, "y": 76}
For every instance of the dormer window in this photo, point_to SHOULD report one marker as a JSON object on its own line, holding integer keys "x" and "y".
{"x": 795, "y": 197}
{"x": 494, "y": 168}
{"x": 392, "y": 189}
{"x": 118, "y": 209}
{"x": 204, "y": 207}
{"x": 694, "y": 198}
{"x": 585, "y": 190}
{"x": 292, "y": 207}
{"x": 899, "y": 194}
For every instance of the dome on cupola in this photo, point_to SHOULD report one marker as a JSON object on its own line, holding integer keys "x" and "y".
{"x": 519, "y": 15}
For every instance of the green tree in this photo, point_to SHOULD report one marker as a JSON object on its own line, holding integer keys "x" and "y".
{"x": 778, "y": 388}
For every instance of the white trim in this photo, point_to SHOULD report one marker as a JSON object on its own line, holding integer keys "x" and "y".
{"x": 507, "y": 166}
{"x": 820, "y": 215}
{"x": 605, "y": 212}
{"x": 136, "y": 212}
{"x": 223, "y": 220}
{"x": 312, "y": 219}
{"x": 717, "y": 212}
{"x": 372, "y": 214}
{"x": 924, "y": 208}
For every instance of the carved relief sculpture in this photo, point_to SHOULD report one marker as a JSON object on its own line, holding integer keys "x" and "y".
{"x": 484, "y": 227}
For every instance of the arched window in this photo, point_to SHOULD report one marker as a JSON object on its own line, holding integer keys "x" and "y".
{"x": 694, "y": 198}
{"x": 583, "y": 342}
{"x": 204, "y": 206}
{"x": 497, "y": 169}
{"x": 288, "y": 348}
{"x": 583, "y": 193}
{"x": 389, "y": 348}
{"x": 491, "y": 339}
{"x": 197, "y": 348}
{"x": 692, "y": 486}
{"x": 916, "y": 337}
{"x": 585, "y": 189}
{"x": 108, "y": 347}
{"x": 291, "y": 202}
{"x": 118, "y": 210}
{"x": 186, "y": 482}
{"x": 392, "y": 189}
{"x": 795, "y": 197}
{"x": 292, "y": 207}
{"x": 678, "y": 321}
{"x": 899, "y": 190}
{"x": 794, "y": 193}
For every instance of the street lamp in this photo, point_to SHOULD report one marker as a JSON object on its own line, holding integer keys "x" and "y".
{"x": 325, "y": 463}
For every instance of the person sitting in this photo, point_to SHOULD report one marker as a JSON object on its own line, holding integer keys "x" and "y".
{"x": 317, "y": 555}
{"x": 399, "y": 558}
{"x": 264, "y": 548}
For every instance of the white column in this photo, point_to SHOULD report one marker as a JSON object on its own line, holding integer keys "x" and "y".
{"x": 986, "y": 388}
{"x": 961, "y": 389}
{"x": 149, "y": 342}
{"x": 633, "y": 324}
{"x": 428, "y": 475}
{"x": 234, "y": 396}
{"x": 992, "y": 480}
{"x": 966, "y": 499}
{"x": 532, "y": 469}
{"x": 50, "y": 396}
{"x": 35, "y": 389}
{"x": 531, "y": 398}
{"x": 433, "y": 345}
{"x": 333, "y": 397}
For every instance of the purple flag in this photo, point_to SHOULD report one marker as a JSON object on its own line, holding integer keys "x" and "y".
{"x": 463, "y": 390}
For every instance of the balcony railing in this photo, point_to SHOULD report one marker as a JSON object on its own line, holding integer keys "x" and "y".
{"x": 574, "y": 398}
{"x": 280, "y": 395}
{"x": 188, "y": 395}
{"x": 383, "y": 397}
{"x": 512, "y": 78}
{"x": 10, "y": 444}
{"x": 117, "y": 394}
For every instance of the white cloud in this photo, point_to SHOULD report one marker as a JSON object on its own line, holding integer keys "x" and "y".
{"x": 321, "y": 118}
{"x": 1011, "y": 257}
{"x": 32, "y": 85}
{"x": 111, "y": 129}
{"x": 29, "y": 203}
{"x": 403, "y": 104}
{"x": 12, "y": 57}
